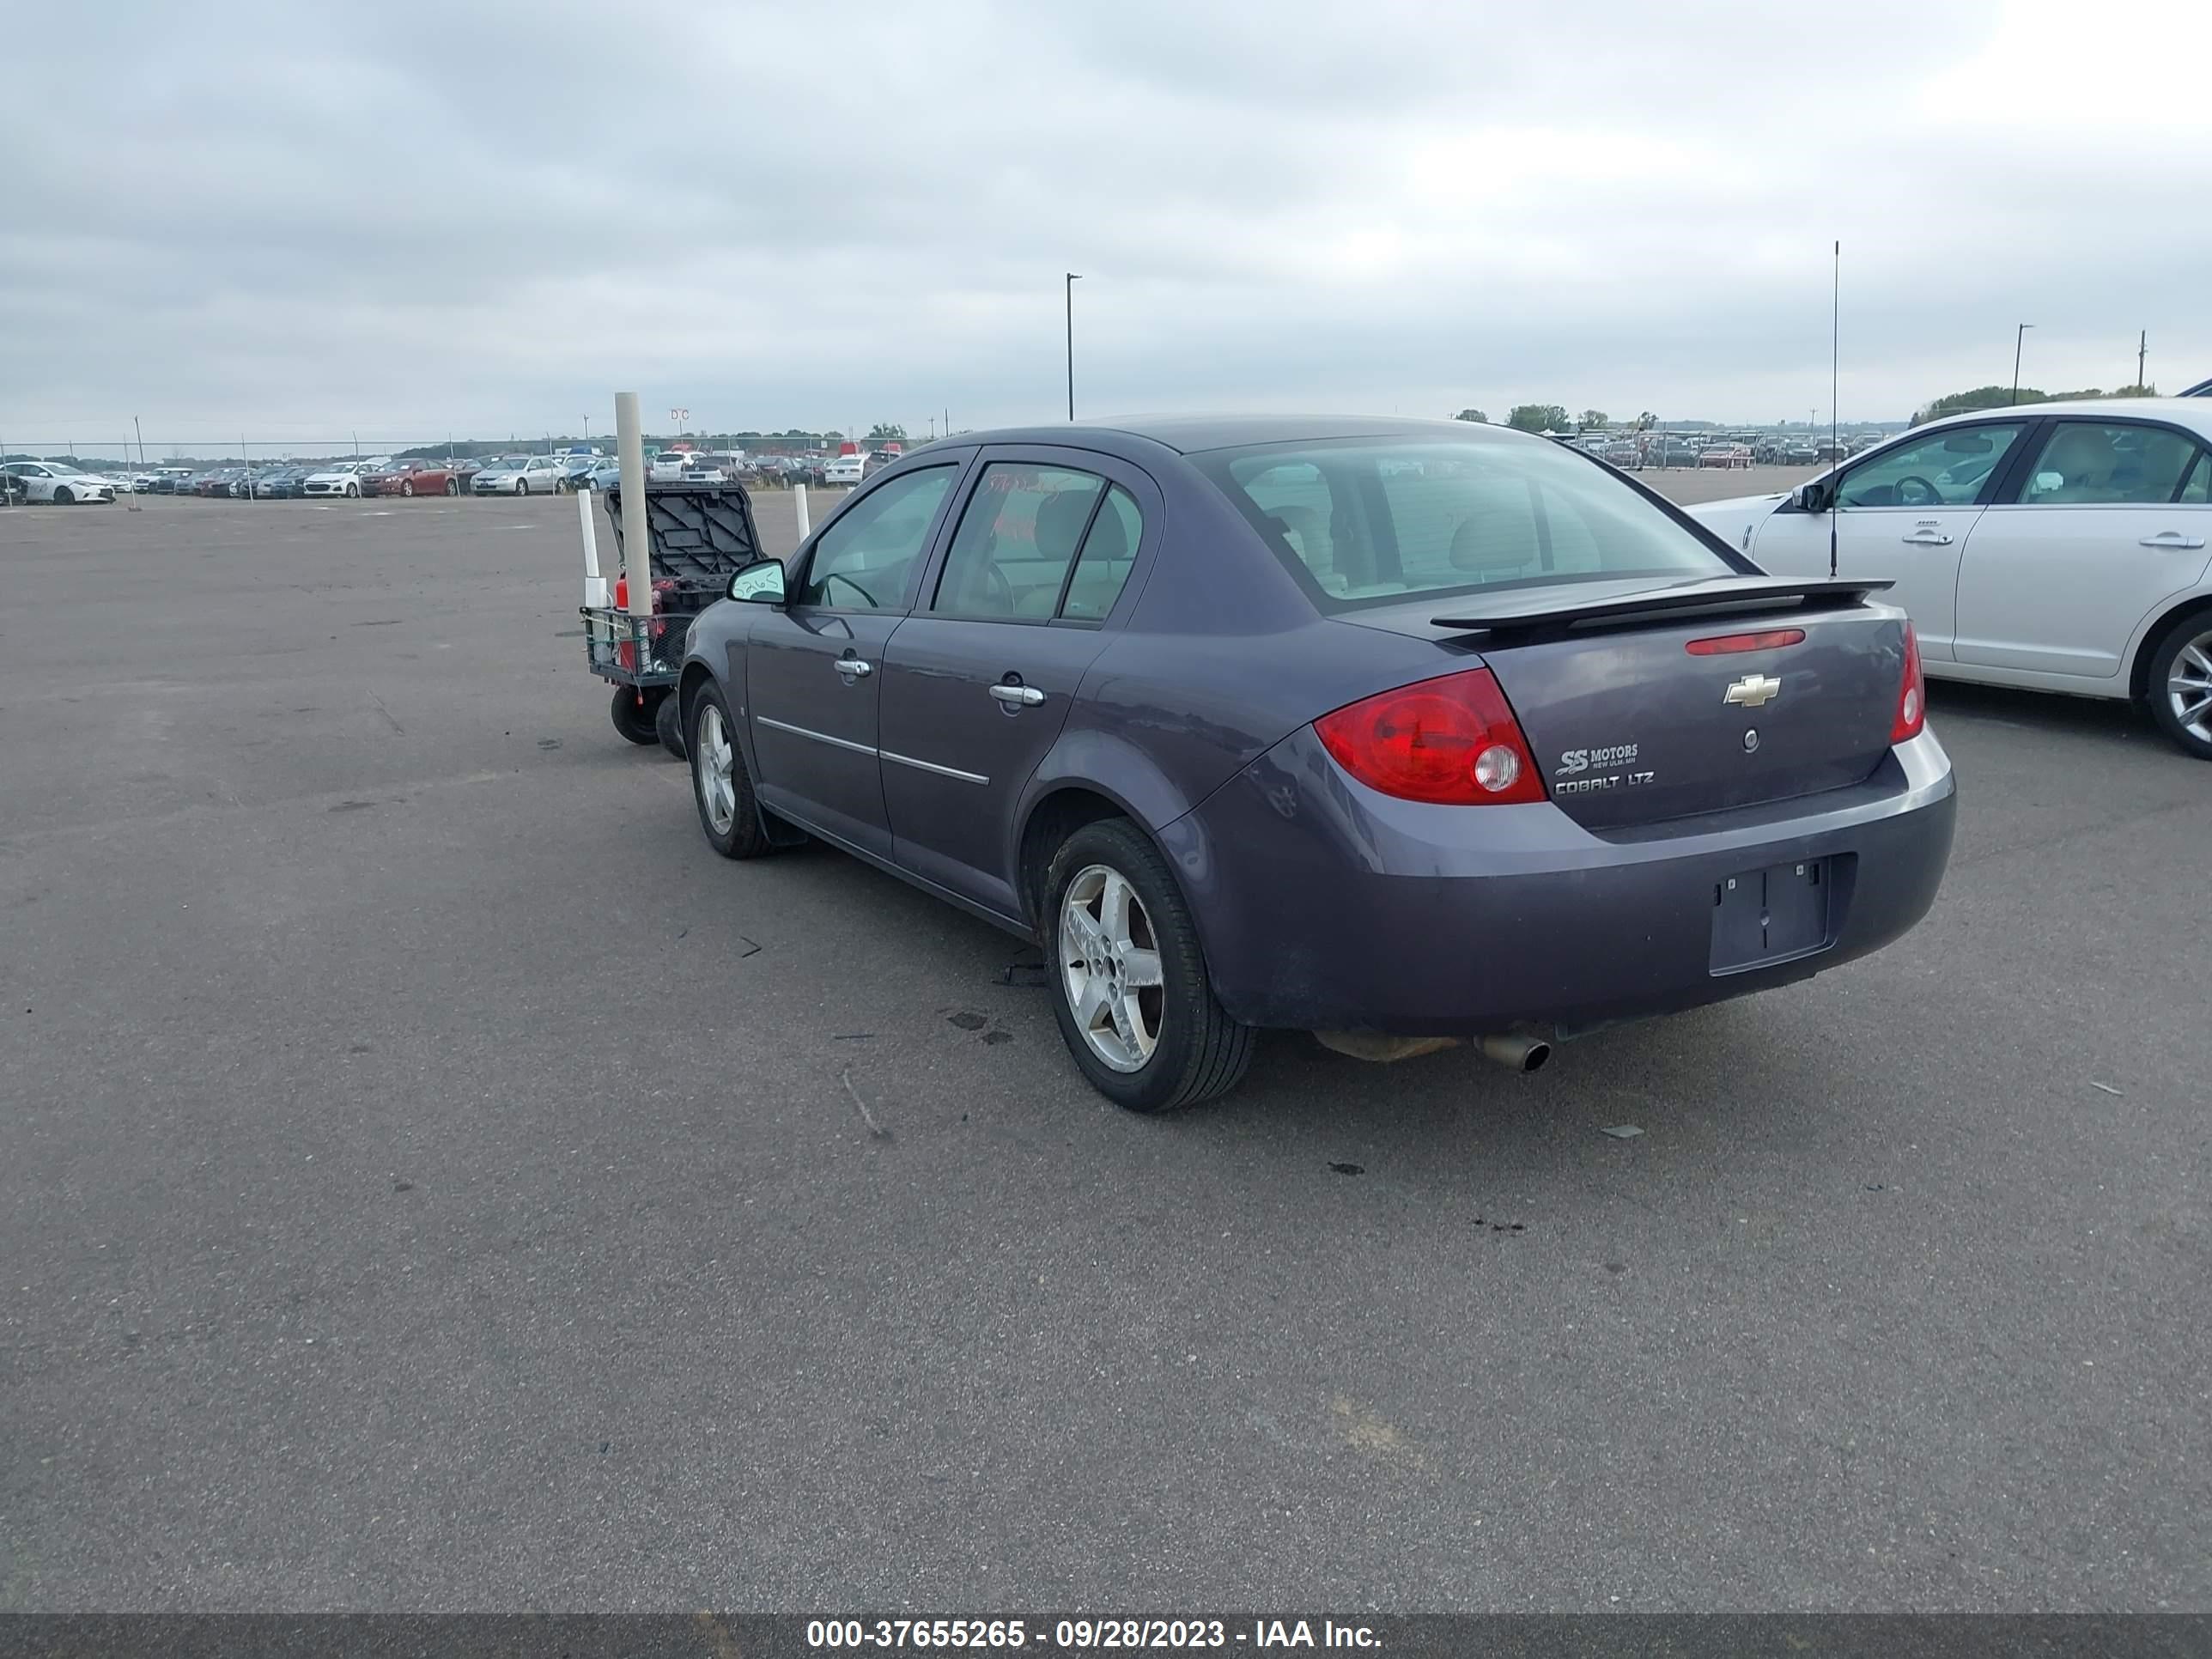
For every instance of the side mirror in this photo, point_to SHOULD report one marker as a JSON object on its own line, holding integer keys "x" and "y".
{"x": 760, "y": 582}
{"x": 1810, "y": 498}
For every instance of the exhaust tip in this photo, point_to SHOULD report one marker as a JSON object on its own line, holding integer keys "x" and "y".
{"x": 1516, "y": 1053}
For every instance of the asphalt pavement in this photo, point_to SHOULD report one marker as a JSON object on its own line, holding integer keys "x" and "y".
{"x": 430, "y": 1179}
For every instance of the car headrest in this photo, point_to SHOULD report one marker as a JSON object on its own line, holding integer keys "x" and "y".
{"x": 1107, "y": 539}
{"x": 1478, "y": 554}
{"x": 1060, "y": 522}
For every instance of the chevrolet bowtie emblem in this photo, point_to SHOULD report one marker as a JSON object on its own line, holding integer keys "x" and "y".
{"x": 1753, "y": 691}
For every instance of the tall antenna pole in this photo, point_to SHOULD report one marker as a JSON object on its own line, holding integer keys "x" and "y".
{"x": 2142, "y": 350}
{"x": 1073, "y": 277}
{"x": 1835, "y": 388}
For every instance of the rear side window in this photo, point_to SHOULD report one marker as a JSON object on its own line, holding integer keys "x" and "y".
{"x": 1109, "y": 552}
{"x": 1362, "y": 522}
{"x": 2086, "y": 463}
{"x": 1016, "y": 541}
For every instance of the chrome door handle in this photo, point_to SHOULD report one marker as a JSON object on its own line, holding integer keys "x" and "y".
{"x": 1926, "y": 539}
{"x": 854, "y": 669}
{"x": 1017, "y": 697}
{"x": 2171, "y": 538}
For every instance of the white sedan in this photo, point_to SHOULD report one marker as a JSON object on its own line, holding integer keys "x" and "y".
{"x": 58, "y": 481}
{"x": 2059, "y": 546}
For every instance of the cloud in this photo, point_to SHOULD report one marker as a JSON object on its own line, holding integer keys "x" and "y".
{"x": 487, "y": 220}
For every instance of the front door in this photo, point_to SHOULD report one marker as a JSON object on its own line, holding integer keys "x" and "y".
{"x": 2110, "y": 521}
{"x": 979, "y": 681}
{"x": 1905, "y": 512}
{"x": 812, "y": 669}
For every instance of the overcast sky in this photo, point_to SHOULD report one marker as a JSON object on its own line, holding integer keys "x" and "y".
{"x": 411, "y": 220}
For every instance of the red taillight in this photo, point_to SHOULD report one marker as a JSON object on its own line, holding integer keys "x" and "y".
{"x": 1452, "y": 741}
{"x": 1719, "y": 645}
{"x": 1913, "y": 696}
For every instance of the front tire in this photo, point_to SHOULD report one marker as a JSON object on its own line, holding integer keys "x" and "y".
{"x": 65, "y": 496}
{"x": 721, "y": 788}
{"x": 1130, "y": 990}
{"x": 452, "y": 486}
{"x": 353, "y": 492}
{"x": 2180, "y": 687}
{"x": 522, "y": 486}
{"x": 407, "y": 487}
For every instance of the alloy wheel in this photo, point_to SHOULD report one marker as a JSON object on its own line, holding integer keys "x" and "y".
{"x": 1109, "y": 964}
{"x": 717, "y": 763}
{"x": 2188, "y": 688}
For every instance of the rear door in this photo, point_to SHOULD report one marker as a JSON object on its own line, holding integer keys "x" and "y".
{"x": 812, "y": 680}
{"x": 2109, "y": 522}
{"x": 979, "y": 681}
{"x": 1903, "y": 512}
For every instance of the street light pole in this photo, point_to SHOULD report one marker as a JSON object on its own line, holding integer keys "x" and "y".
{"x": 1073, "y": 277}
{"x": 2018, "y": 334}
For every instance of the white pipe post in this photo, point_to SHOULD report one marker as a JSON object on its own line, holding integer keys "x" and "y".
{"x": 637, "y": 534}
{"x": 799, "y": 501}
{"x": 595, "y": 581}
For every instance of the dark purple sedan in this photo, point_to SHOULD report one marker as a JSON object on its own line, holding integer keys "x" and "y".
{"x": 1392, "y": 731}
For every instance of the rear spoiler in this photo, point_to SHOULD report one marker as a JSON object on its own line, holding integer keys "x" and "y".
{"x": 1721, "y": 596}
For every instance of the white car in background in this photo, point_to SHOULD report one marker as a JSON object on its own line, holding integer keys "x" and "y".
{"x": 59, "y": 481}
{"x": 846, "y": 469}
{"x": 345, "y": 478}
{"x": 2059, "y": 546}
{"x": 522, "y": 475}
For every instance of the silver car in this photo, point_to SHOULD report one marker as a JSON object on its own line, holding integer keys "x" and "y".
{"x": 522, "y": 475}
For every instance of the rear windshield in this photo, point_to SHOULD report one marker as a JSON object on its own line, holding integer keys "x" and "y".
{"x": 1362, "y": 522}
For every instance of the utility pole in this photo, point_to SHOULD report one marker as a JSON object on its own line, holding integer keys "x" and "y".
{"x": 2142, "y": 350}
{"x": 1073, "y": 277}
{"x": 2019, "y": 334}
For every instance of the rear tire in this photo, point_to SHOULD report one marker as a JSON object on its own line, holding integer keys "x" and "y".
{"x": 721, "y": 788}
{"x": 634, "y": 713}
{"x": 1171, "y": 1044}
{"x": 668, "y": 725}
{"x": 2179, "y": 688}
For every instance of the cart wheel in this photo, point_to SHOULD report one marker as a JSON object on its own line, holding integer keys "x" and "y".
{"x": 635, "y": 711}
{"x": 668, "y": 721}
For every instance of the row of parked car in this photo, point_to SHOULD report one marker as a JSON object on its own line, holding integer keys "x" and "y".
{"x": 390, "y": 476}
{"x": 1633, "y": 451}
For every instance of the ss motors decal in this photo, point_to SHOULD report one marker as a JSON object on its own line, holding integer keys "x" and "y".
{"x": 1578, "y": 774}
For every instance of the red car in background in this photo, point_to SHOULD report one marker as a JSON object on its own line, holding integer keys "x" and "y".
{"x": 413, "y": 478}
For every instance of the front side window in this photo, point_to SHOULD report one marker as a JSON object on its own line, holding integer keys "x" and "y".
{"x": 2087, "y": 462}
{"x": 1362, "y": 522}
{"x": 1945, "y": 469}
{"x": 864, "y": 558}
{"x": 1011, "y": 555}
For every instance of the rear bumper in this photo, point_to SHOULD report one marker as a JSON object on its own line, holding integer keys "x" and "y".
{"x": 1323, "y": 905}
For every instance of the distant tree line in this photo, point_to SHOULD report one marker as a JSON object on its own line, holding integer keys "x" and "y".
{"x": 2002, "y": 397}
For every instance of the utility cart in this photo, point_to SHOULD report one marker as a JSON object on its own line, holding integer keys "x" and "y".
{"x": 700, "y": 534}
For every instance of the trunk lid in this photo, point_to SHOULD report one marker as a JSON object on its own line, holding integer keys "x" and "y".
{"x": 1629, "y": 728}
